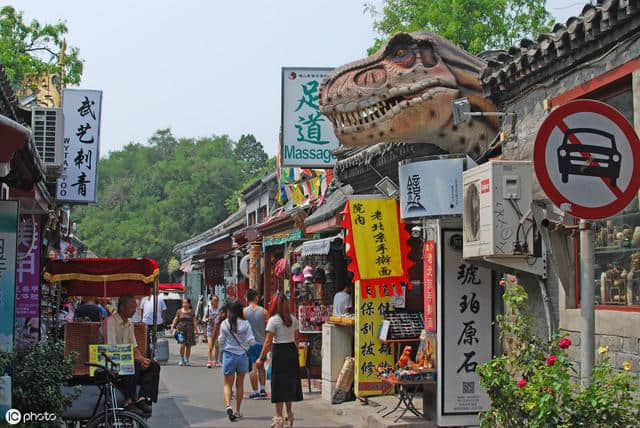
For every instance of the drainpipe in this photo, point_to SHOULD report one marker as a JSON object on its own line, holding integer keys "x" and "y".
{"x": 546, "y": 303}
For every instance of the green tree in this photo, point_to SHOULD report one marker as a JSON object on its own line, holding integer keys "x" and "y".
{"x": 250, "y": 153}
{"x": 33, "y": 48}
{"x": 475, "y": 25}
{"x": 152, "y": 196}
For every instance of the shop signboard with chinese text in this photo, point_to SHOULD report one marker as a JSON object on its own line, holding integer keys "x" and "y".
{"x": 369, "y": 350}
{"x": 8, "y": 247}
{"x": 429, "y": 261}
{"x": 465, "y": 333}
{"x": 376, "y": 242}
{"x": 78, "y": 181}
{"x": 431, "y": 187}
{"x": 27, "y": 325}
{"x": 308, "y": 139}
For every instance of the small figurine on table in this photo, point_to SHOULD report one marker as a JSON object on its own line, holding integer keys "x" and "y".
{"x": 405, "y": 358}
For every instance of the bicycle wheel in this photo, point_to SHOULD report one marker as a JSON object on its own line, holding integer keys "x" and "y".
{"x": 123, "y": 419}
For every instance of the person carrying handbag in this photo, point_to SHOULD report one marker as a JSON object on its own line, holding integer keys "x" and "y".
{"x": 235, "y": 339}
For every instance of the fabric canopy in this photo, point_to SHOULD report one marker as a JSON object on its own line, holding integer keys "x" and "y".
{"x": 176, "y": 288}
{"x": 103, "y": 276}
{"x": 318, "y": 247}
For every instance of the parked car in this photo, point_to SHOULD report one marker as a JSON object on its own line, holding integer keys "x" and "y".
{"x": 589, "y": 159}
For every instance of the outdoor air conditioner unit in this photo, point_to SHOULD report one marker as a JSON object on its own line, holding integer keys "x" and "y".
{"x": 47, "y": 125}
{"x": 496, "y": 221}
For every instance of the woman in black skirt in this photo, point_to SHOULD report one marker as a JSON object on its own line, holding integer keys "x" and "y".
{"x": 285, "y": 366}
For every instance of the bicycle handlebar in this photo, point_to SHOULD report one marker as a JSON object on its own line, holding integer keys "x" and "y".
{"x": 109, "y": 371}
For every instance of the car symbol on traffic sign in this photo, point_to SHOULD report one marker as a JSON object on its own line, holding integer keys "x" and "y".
{"x": 587, "y": 159}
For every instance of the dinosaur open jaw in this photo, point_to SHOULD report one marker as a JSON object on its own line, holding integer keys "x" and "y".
{"x": 368, "y": 115}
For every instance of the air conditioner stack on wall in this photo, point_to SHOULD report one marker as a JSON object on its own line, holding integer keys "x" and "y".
{"x": 497, "y": 196}
{"x": 47, "y": 125}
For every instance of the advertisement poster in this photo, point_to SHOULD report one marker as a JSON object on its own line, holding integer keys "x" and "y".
{"x": 369, "y": 350}
{"x": 431, "y": 187}
{"x": 308, "y": 139}
{"x": 121, "y": 355}
{"x": 8, "y": 242}
{"x": 466, "y": 333}
{"x": 82, "y": 109}
{"x": 27, "y": 326}
{"x": 311, "y": 317}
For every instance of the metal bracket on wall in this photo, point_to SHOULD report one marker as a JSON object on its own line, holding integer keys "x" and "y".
{"x": 557, "y": 236}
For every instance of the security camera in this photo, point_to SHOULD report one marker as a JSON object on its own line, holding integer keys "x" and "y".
{"x": 416, "y": 231}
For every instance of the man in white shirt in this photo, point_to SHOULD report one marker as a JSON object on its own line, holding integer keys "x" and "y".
{"x": 146, "y": 305}
{"x": 118, "y": 330}
{"x": 147, "y": 309}
{"x": 342, "y": 301}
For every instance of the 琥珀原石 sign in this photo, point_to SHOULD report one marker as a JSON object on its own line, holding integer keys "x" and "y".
{"x": 308, "y": 139}
{"x": 465, "y": 333}
{"x": 432, "y": 186}
{"x": 78, "y": 181}
{"x": 587, "y": 159}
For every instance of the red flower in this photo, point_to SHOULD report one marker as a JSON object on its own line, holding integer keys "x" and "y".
{"x": 564, "y": 343}
{"x": 551, "y": 360}
{"x": 522, "y": 383}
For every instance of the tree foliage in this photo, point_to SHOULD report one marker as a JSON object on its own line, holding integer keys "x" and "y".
{"x": 30, "y": 49}
{"x": 475, "y": 25}
{"x": 153, "y": 196}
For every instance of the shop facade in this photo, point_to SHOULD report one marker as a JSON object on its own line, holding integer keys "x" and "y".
{"x": 594, "y": 56}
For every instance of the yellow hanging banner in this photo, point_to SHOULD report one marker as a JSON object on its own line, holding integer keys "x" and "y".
{"x": 374, "y": 223}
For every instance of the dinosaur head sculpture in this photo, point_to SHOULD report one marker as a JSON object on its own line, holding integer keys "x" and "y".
{"x": 404, "y": 92}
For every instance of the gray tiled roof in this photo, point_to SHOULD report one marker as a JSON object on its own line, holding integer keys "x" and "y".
{"x": 598, "y": 28}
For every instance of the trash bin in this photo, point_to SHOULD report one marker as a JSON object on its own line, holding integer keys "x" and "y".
{"x": 162, "y": 350}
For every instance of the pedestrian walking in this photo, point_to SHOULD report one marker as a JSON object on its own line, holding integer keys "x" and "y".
{"x": 211, "y": 319}
{"x": 235, "y": 339}
{"x": 285, "y": 367}
{"x": 257, "y": 317}
{"x": 185, "y": 324}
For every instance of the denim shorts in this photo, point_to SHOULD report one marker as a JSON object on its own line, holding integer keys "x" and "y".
{"x": 233, "y": 363}
{"x": 254, "y": 352}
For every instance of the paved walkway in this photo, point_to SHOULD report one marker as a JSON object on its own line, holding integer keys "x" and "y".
{"x": 192, "y": 397}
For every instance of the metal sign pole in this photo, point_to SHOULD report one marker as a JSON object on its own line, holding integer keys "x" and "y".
{"x": 587, "y": 312}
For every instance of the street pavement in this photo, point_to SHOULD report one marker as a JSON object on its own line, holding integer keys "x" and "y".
{"x": 192, "y": 397}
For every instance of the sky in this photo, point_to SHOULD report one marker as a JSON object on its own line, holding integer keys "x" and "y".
{"x": 207, "y": 67}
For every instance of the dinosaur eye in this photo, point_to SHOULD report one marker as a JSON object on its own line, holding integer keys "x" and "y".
{"x": 404, "y": 57}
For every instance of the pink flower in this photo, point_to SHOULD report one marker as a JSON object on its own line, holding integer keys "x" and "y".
{"x": 564, "y": 343}
{"x": 522, "y": 383}
{"x": 551, "y": 360}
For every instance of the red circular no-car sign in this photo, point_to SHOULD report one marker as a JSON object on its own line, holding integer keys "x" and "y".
{"x": 586, "y": 157}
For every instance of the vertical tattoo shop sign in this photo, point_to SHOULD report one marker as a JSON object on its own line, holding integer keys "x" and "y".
{"x": 466, "y": 334}
{"x": 376, "y": 242}
{"x": 78, "y": 181}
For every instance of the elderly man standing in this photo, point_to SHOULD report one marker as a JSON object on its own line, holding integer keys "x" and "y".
{"x": 118, "y": 330}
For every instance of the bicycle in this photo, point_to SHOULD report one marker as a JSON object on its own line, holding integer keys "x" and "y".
{"x": 112, "y": 416}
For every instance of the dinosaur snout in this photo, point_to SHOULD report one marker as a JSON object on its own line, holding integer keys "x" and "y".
{"x": 373, "y": 77}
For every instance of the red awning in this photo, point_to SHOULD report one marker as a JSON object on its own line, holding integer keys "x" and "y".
{"x": 103, "y": 276}
{"x": 174, "y": 288}
{"x": 13, "y": 136}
